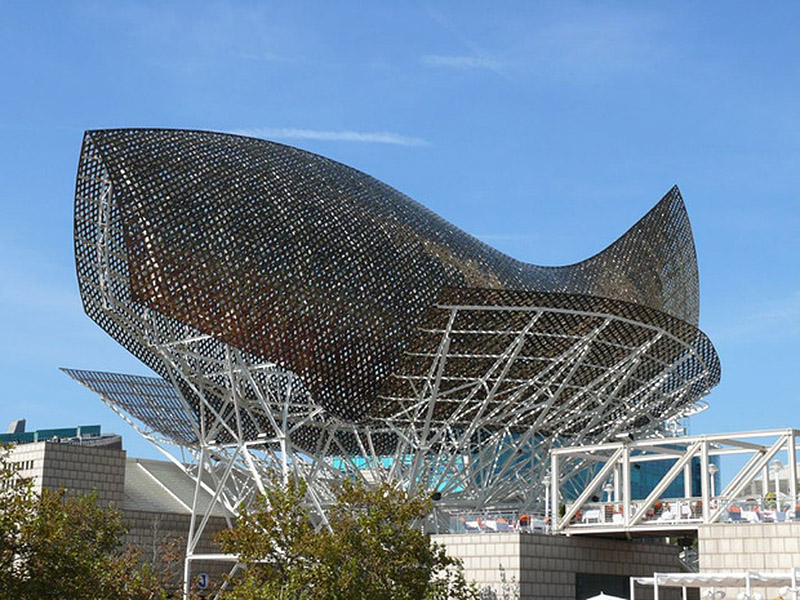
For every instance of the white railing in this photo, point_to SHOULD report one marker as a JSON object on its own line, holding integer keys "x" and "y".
{"x": 673, "y": 511}
{"x": 499, "y": 522}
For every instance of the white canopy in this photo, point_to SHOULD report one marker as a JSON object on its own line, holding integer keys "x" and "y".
{"x": 604, "y": 596}
{"x": 732, "y": 579}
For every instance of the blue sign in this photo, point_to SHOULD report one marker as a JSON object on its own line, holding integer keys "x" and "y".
{"x": 203, "y": 581}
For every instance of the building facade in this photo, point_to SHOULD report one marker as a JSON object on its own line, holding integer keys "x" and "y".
{"x": 154, "y": 497}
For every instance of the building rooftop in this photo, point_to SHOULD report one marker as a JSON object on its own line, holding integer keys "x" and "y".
{"x": 82, "y": 434}
{"x": 161, "y": 486}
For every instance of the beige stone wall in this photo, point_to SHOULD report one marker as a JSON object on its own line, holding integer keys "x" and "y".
{"x": 85, "y": 469}
{"x": 767, "y": 547}
{"x": 521, "y": 566}
{"x": 151, "y": 531}
{"x": 29, "y": 459}
{"x": 79, "y": 469}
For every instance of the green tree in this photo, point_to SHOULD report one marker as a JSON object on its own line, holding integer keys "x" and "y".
{"x": 53, "y": 545}
{"x": 371, "y": 551}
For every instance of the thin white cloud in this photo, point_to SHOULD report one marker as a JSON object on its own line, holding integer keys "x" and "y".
{"x": 460, "y": 62}
{"x": 477, "y": 57}
{"x": 590, "y": 45}
{"x": 776, "y": 319}
{"x": 450, "y": 26}
{"x": 368, "y": 137}
{"x": 782, "y": 315}
{"x": 579, "y": 44}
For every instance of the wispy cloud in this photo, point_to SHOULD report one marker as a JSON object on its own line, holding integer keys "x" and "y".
{"x": 775, "y": 319}
{"x": 782, "y": 315}
{"x": 591, "y": 45}
{"x": 368, "y": 137}
{"x": 578, "y": 44}
{"x": 460, "y": 62}
{"x": 477, "y": 58}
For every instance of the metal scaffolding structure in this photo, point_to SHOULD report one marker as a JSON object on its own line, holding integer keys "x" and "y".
{"x": 308, "y": 320}
{"x": 620, "y": 512}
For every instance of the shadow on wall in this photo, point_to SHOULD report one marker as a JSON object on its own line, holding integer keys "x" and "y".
{"x": 509, "y": 588}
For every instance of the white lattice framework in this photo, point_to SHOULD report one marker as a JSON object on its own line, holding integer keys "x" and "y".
{"x": 506, "y": 471}
{"x": 487, "y": 383}
{"x": 620, "y": 512}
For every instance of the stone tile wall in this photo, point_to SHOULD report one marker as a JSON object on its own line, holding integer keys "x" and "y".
{"x": 768, "y": 547}
{"x": 79, "y": 469}
{"x": 152, "y": 531}
{"x": 84, "y": 469}
{"x": 522, "y": 566}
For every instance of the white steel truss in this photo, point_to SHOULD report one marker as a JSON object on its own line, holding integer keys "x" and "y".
{"x": 586, "y": 512}
{"x": 486, "y": 454}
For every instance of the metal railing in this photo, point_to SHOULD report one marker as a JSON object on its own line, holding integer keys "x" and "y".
{"x": 499, "y": 522}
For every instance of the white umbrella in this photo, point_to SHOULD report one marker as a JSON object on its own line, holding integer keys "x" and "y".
{"x": 602, "y": 596}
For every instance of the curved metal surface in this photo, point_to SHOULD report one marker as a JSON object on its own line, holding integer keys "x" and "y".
{"x": 305, "y": 316}
{"x": 315, "y": 267}
{"x": 567, "y": 365}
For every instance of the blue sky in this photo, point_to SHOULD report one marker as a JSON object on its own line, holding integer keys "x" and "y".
{"x": 545, "y": 129}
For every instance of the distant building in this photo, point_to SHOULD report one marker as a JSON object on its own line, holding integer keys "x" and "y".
{"x": 644, "y": 478}
{"x": 776, "y": 478}
{"x": 84, "y": 435}
{"x": 155, "y": 497}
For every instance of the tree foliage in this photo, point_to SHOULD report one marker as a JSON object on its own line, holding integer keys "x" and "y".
{"x": 370, "y": 551}
{"x": 54, "y": 545}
